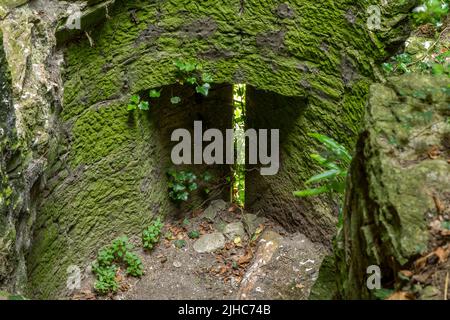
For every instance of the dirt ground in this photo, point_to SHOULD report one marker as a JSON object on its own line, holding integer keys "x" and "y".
{"x": 266, "y": 263}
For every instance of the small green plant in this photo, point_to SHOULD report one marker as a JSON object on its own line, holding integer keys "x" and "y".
{"x": 120, "y": 246}
{"x": 105, "y": 267}
{"x": 151, "y": 235}
{"x": 181, "y": 184}
{"x": 137, "y": 103}
{"x": 106, "y": 279}
{"x": 105, "y": 257}
{"x": 432, "y": 63}
{"x": 191, "y": 73}
{"x": 431, "y": 11}
{"x": 382, "y": 294}
{"x": 194, "y": 234}
{"x": 335, "y": 162}
{"x": 180, "y": 243}
{"x": 154, "y": 93}
{"x": 134, "y": 264}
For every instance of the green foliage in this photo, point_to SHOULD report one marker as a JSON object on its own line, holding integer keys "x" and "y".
{"x": 238, "y": 170}
{"x": 431, "y": 11}
{"x": 154, "y": 93}
{"x": 137, "y": 103}
{"x": 445, "y": 225}
{"x": 180, "y": 243}
{"x": 335, "y": 163}
{"x": 120, "y": 246}
{"x": 151, "y": 235}
{"x": 432, "y": 63}
{"x": 382, "y": 294}
{"x": 181, "y": 184}
{"x": 194, "y": 234}
{"x": 191, "y": 73}
{"x": 106, "y": 279}
{"x": 134, "y": 264}
{"x": 187, "y": 73}
{"x": 106, "y": 265}
{"x": 175, "y": 100}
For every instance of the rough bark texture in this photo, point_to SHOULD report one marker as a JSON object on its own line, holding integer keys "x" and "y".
{"x": 393, "y": 185}
{"x": 97, "y": 170}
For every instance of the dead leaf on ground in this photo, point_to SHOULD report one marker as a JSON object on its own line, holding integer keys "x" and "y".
{"x": 401, "y": 295}
{"x": 222, "y": 270}
{"x": 442, "y": 254}
{"x": 85, "y": 295}
{"x": 245, "y": 259}
{"x": 124, "y": 287}
{"x": 434, "y": 152}
{"x": 407, "y": 273}
{"x": 439, "y": 205}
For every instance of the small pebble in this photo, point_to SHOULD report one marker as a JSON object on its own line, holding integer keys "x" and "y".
{"x": 177, "y": 264}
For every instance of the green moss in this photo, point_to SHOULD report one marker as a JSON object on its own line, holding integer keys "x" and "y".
{"x": 325, "y": 286}
{"x": 98, "y": 132}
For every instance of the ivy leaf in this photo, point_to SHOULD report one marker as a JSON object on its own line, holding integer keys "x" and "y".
{"x": 388, "y": 67}
{"x": 189, "y": 67}
{"x": 180, "y": 243}
{"x": 155, "y": 93}
{"x": 191, "y": 80}
{"x": 183, "y": 196}
{"x": 179, "y": 64}
{"x": 144, "y": 105}
{"x": 175, "y": 100}
{"x": 178, "y": 187}
{"x": 131, "y": 107}
{"x": 203, "y": 89}
{"x": 192, "y": 186}
{"x": 135, "y": 99}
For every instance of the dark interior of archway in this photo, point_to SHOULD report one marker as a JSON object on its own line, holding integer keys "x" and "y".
{"x": 263, "y": 110}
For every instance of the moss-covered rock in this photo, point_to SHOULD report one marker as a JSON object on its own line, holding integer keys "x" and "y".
{"x": 10, "y": 185}
{"x": 394, "y": 180}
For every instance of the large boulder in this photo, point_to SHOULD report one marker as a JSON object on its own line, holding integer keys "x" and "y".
{"x": 398, "y": 185}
